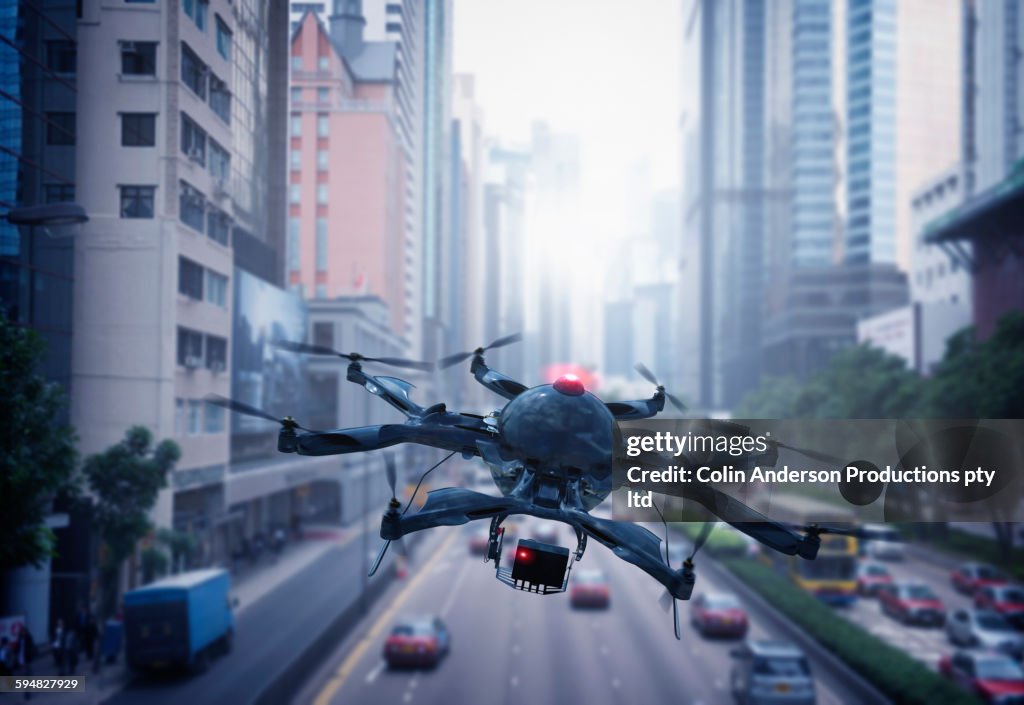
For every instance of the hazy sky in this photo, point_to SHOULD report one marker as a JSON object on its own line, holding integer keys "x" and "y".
{"x": 605, "y": 70}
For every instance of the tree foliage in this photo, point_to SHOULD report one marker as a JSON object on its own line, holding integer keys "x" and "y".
{"x": 981, "y": 379}
{"x": 37, "y": 455}
{"x": 860, "y": 382}
{"x": 126, "y": 480}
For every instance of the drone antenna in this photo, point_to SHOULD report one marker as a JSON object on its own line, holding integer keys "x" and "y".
{"x": 423, "y": 477}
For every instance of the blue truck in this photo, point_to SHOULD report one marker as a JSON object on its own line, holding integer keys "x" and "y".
{"x": 182, "y": 621}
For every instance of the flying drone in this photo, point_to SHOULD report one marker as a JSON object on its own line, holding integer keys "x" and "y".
{"x": 551, "y": 450}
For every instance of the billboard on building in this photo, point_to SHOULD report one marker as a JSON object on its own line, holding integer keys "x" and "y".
{"x": 263, "y": 375}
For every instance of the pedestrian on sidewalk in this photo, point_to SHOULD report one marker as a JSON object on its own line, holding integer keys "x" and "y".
{"x": 85, "y": 623}
{"x": 6, "y": 657}
{"x": 26, "y": 653}
{"x": 58, "y": 647}
{"x": 71, "y": 649}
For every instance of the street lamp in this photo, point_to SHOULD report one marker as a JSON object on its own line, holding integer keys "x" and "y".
{"x": 47, "y": 216}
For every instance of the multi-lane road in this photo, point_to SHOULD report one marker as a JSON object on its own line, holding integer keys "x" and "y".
{"x": 512, "y": 647}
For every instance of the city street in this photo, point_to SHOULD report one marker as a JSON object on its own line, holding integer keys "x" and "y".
{"x": 268, "y": 634}
{"x": 513, "y": 647}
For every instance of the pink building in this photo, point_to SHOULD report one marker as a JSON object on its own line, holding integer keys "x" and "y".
{"x": 347, "y": 185}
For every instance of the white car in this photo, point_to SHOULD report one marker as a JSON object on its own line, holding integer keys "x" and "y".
{"x": 883, "y": 550}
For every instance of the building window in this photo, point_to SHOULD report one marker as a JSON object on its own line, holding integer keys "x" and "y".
{"x": 321, "y": 193}
{"x": 137, "y": 201}
{"x": 296, "y": 95}
{"x": 138, "y": 58}
{"x": 193, "y": 140}
{"x": 321, "y": 244}
{"x": 296, "y": 157}
{"x": 323, "y": 95}
{"x": 190, "y": 279}
{"x": 324, "y": 63}
{"x": 218, "y": 226}
{"x": 296, "y": 125}
{"x": 321, "y": 160}
{"x": 193, "y": 71}
{"x": 321, "y": 291}
{"x": 60, "y": 129}
{"x": 223, "y": 39}
{"x": 189, "y": 6}
{"x": 220, "y": 162}
{"x": 191, "y": 206}
{"x": 296, "y": 63}
{"x": 321, "y": 125}
{"x": 194, "y": 414}
{"x": 61, "y": 56}
{"x": 220, "y": 99}
{"x": 216, "y": 289}
{"x": 179, "y": 417}
{"x": 293, "y": 244}
{"x": 294, "y": 193}
{"x": 323, "y": 334}
{"x": 138, "y": 129}
{"x": 216, "y": 353}
{"x": 190, "y": 347}
{"x": 59, "y": 193}
{"x": 202, "y": 11}
{"x": 215, "y": 416}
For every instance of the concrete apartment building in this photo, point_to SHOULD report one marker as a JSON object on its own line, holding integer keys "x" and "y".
{"x": 180, "y": 119}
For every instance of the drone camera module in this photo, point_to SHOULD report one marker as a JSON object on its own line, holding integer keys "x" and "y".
{"x": 540, "y": 564}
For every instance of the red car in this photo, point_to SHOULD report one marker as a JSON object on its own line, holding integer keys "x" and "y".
{"x": 590, "y": 589}
{"x": 1007, "y": 600}
{"x": 971, "y": 576}
{"x": 995, "y": 678}
{"x": 871, "y": 576}
{"x": 718, "y": 614}
{"x": 419, "y": 641}
{"x": 912, "y": 603}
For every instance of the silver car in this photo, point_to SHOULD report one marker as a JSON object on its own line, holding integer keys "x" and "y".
{"x": 771, "y": 673}
{"x": 986, "y": 629}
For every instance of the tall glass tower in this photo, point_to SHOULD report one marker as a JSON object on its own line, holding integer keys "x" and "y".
{"x": 871, "y": 132}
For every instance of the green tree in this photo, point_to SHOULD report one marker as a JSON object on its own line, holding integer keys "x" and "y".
{"x": 981, "y": 379}
{"x": 862, "y": 382}
{"x": 182, "y": 545}
{"x": 125, "y": 480}
{"x": 37, "y": 455}
{"x": 776, "y": 398}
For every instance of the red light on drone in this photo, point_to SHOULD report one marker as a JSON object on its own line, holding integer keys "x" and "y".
{"x": 524, "y": 555}
{"x": 569, "y": 384}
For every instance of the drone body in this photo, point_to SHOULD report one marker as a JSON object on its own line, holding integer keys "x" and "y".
{"x": 551, "y": 450}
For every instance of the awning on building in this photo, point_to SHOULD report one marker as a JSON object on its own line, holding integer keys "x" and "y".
{"x": 995, "y": 212}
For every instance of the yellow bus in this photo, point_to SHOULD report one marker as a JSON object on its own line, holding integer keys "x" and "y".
{"x": 832, "y": 576}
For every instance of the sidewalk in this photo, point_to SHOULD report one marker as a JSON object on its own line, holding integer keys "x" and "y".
{"x": 249, "y": 585}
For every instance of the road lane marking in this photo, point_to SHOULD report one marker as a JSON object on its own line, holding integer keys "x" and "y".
{"x": 513, "y": 681}
{"x": 515, "y": 648}
{"x": 339, "y": 677}
{"x": 375, "y": 671}
{"x": 407, "y": 697}
{"x": 454, "y": 589}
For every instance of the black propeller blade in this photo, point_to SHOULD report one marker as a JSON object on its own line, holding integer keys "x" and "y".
{"x": 309, "y": 349}
{"x": 649, "y": 376}
{"x": 455, "y": 359}
{"x": 815, "y": 454}
{"x": 240, "y": 408}
{"x": 817, "y": 530}
{"x": 391, "y": 472}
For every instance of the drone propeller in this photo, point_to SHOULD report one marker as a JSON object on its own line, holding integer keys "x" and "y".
{"x": 815, "y": 454}
{"x": 391, "y": 473}
{"x": 245, "y": 409}
{"x": 455, "y": 359}
{"x": 668, "y": 595}
{"x": 309, "y": 349}
{"x": 818, "y": 530}
{"x": 649, "y": 376}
